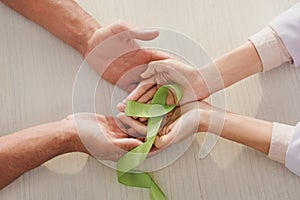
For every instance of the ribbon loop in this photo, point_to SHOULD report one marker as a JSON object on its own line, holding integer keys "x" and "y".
{"x": 155, "y": 112}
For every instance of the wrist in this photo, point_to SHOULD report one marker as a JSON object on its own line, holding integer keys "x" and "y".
{"x": 204, "y": 120}
{"x": 210, "y": 78}
{"x": 86, "y": 39}
{"x": 89, "y": 40}
{"x": 200, "y": 113}
{"x": 212, "y": 120}
{"x": 70, "y": 140}
{"x": 77, "y": 26}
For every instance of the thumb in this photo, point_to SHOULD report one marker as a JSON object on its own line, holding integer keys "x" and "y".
{"x": 163, "y": 141}
{"x": 128, "y": 144}
{"x": 150, "y": 71}
{"x": 183, "y": 127}
{"x": 145, "y": 34}
{"x": 154, "y": 68}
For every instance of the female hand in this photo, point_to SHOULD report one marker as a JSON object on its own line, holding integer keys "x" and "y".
{"x": 183, "y": 122}
{"x": 171, "y": 71}
{"x": 99, "y": 136}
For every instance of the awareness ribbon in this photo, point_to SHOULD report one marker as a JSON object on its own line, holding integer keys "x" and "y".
{"x": 132, "y": 159}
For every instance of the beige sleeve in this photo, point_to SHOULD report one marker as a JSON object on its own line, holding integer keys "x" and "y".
{"x": 281, "y": 136}
{"x": 270, "y": 49}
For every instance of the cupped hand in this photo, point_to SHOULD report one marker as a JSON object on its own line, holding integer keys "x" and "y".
{"x": 183, "y": 122}
{"x": 99, "y": 136}
{"x": 113, "y": 52}
{"x": 171, "y": 71}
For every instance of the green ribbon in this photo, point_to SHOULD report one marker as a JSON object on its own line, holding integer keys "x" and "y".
{"x": 132, "y": 159}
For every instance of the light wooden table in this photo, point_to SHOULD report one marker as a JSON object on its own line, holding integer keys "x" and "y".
{"x": 37, "y": 72}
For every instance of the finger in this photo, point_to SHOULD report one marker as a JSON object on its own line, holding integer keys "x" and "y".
{"x": 128, "y": 144}
{"x": 121, "y": 107}
{"x": 156, "y": 67}
{"x": 134, "y": 133}
{"x": 150, "y": 71}
{"x": 143, "y": 119}
{"x": 131, "y": 87}
{"x": 171, "y": 99}
{"x": 163, "y": 141}
{"x": 121, "y": 126}
{"x": 148, "y": 95}
{"x": 119, "y": 26}
{"x": 145, "y": 34}
{"x": 183, "y": 127}
{"x": 128, "y": 121}
{"x": 157, "y": 55}
{"x": 143, "y": 87}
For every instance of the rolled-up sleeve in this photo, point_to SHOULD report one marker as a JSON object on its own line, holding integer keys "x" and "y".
{"x": 292, "y": 158}
{"x": 281, "y": 136}
{"x": 270, "y": 49}
{"x": 285, "y": 146}
{"x": 279, "y": 42}
{"x": 276, "y": 44}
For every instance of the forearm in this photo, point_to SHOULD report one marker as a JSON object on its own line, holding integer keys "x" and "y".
{"x": 239, "y": 64}
{"x": 64, "y": 18}
{"x": 232, "y": 67}
{"x": 248, "y": 131}
{"x": 29, "y": 148}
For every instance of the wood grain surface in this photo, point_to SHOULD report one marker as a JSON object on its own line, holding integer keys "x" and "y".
{"x": 37, "y": 72}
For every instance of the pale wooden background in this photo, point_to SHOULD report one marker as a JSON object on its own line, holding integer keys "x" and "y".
{"x": 36, "y": 78}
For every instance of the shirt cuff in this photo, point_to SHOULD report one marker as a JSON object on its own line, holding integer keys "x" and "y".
{"x": 270, "y": 49}
{"x": 281, "y": 136}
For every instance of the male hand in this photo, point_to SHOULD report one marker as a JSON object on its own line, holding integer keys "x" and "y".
{"x": 99, "y": 136}
{"x": 115, "y": 55}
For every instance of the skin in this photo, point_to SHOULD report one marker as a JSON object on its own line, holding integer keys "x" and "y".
{"x": 198, "y": 117}
{"x": 198, "y": 84}
{"x": 29, "y": 148}
{"x": 102, "y": 138}
{"x": 70, "y": 23}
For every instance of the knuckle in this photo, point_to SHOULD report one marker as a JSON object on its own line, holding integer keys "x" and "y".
{"x": 119, "y": 26}
{"x": 122, "y": 25}
{"x": 168, "y": 61}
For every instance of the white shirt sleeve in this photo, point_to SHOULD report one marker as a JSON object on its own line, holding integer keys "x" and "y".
{"x": 287, "y": 27}
{"x": 292, "y": 159}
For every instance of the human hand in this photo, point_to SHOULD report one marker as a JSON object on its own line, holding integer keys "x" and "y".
{"x": 99, "y": 136}
{"x": 171, "y": 71}
{"x": 179, "y": 124}
{"x": 115, "y": 55}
